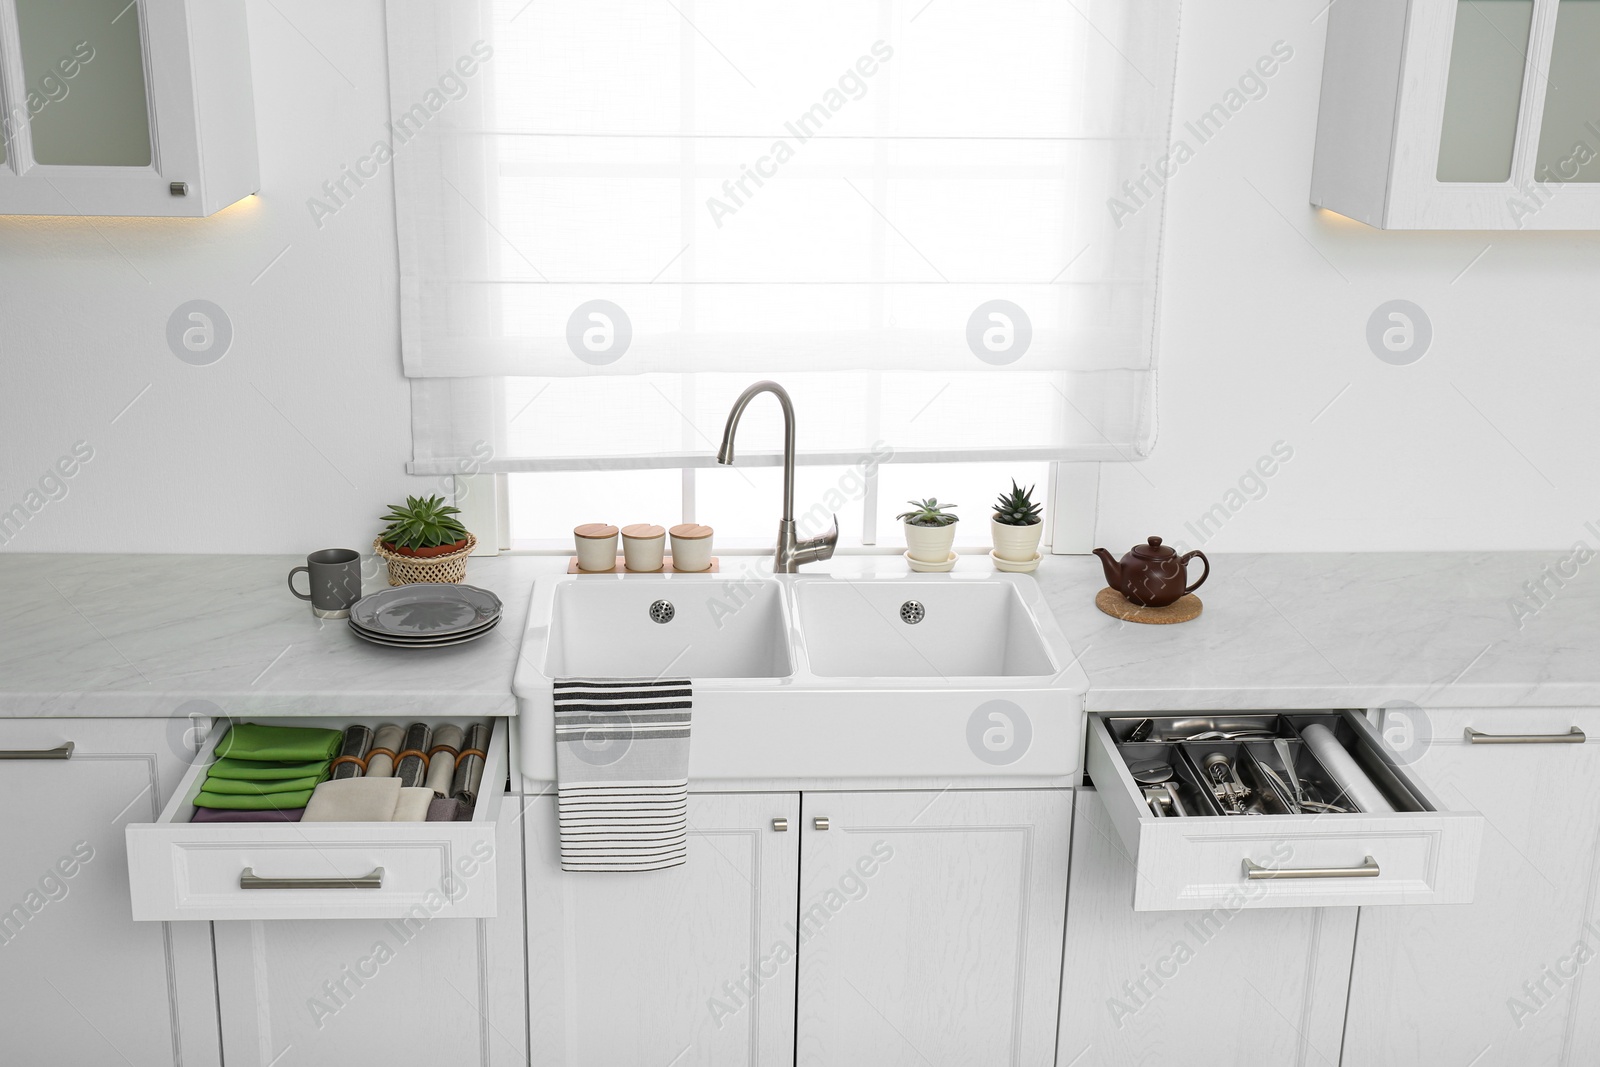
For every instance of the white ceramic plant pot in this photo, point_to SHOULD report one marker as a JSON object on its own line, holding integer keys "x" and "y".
{"x": 930, "y": 544}
{"x": 1017, "y": 544}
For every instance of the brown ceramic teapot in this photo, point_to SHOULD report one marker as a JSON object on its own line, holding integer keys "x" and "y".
{"x": 1152, "y": 575}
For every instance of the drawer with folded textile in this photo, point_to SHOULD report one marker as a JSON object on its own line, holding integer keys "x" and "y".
{"x": 1276, "y": 810}
{"x": 328, "y": 819}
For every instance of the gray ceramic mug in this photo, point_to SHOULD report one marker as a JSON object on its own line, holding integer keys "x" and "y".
{"x": 334, "y": 575}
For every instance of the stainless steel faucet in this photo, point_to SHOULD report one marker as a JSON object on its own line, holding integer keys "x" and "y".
{"x": 791, "y": 551}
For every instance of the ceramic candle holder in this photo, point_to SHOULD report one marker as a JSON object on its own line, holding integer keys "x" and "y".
{"x": 597, "y": 546}
{"x": 644, "y": 547}
{"x": 691, "y": 547}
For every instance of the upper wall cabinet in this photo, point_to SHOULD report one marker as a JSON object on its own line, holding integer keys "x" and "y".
{"x": 1461, "y": 114}
{"x": 125, "y": 107}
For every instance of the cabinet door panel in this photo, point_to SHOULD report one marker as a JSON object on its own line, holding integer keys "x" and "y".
{"x": 1504, "y": 980}
{"x": 656, "y": 967}
{"x": 81, "y": 983}
{"x": 930, "y": 927}
{"x": 1231, "y": 987}
{"x": 422, "y": 989}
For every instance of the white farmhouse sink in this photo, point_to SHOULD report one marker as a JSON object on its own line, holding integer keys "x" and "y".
{"x": 820, "y": 676}
{"x": 605, "y": 629}
{"x": 963, "y": 629}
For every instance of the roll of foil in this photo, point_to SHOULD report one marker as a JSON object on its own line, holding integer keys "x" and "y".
{"x": 412, "y": 769}
{"x": 469, "y": 769}
{"x": 388, "y": 737}
{"x": 442, "y": 759}
{"x": 1358, "y": 789}
{"x": 357, "y": 743}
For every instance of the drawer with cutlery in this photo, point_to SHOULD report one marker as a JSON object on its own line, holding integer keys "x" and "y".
{"x": 1275, "y": 810}
{"x": 328, "y": 819}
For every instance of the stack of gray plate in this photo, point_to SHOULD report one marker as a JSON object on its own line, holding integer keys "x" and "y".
{"x": 425, "y": 615}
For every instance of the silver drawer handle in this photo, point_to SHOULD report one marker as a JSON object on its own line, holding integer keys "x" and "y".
{"x": 1574, "y": 736}
{"x": 1255, "y": 872}
{"x": 62, "y": 751}
{"x": 248, "y": 880}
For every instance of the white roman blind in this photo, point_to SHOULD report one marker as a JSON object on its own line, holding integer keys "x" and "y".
{"x": 937, "y": 223}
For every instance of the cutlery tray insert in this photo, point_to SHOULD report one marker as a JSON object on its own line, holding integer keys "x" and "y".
{"x": 1230, "y": 765}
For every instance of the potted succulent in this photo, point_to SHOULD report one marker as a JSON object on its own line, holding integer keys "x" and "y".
{"x": 1016, "y": 525}
{"x": 930, "y": 530}
{"x": 423, "y": 541}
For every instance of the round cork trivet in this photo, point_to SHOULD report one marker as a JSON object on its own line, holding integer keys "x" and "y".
{"x": 1118, "y": 606}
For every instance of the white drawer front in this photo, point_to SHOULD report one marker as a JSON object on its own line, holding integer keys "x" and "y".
{"x": 1285, "y": 861}
{"x": 183, "y": 870}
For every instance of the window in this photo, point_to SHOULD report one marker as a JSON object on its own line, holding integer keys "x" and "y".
{"x": 937, "y": 226}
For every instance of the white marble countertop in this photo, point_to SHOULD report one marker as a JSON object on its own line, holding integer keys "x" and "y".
{"x": 144, "y": 636}
{"x": 1355, "y": 630}
{"x": 102, "y": 635}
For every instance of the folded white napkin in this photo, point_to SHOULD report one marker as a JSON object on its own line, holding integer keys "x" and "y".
{"x": 355, "y": 800}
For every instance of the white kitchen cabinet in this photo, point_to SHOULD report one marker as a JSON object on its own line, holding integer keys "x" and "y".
{"x": 1232, "y": 986}
{"x": 692, "y": 965}
{"x": 1507, "y": 980}
{"x": 81, "y": 983}
{"x": 1461, "y": 114}
{"x": 421, "y": 988}
{"x": 112, "y": 107}
{"x": 931, "y": 927}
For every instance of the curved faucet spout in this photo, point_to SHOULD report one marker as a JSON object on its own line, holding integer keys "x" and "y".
{"x": 791, "y": 550}
{"x": 725, "y": 453}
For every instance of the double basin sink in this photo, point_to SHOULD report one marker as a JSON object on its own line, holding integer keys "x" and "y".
{"x": 819, "y": 676}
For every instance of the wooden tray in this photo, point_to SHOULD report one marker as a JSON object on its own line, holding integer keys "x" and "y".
{"x": 622, "y": 568}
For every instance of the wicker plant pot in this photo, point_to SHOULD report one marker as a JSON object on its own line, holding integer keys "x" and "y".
{"x": 409, "y": 570}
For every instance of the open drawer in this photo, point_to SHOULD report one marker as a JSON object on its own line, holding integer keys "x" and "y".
{"x": 1318, "y": 848}
{"x": 327, "y": 870}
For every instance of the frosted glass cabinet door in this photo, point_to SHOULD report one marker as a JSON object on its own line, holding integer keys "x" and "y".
{"x": 1483, "y": 97}
{"x": 83, "y": 63}
{"x": 1569, "y": 140}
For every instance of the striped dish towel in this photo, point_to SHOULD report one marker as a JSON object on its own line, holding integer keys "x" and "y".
{"x": 622, "y": 772}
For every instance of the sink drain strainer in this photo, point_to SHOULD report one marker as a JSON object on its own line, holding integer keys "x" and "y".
{"x": 912, "y": 612}
{"x": 662, "y": 611}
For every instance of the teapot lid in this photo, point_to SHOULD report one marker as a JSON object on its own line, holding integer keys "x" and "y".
{"x": 1154, "y": 549}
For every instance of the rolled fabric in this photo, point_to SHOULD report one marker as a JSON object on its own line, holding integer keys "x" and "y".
{"x": 262, "y": 802}
{"x": 442, "y": 759}
{"x": 411, "y": 762}
{"x": 412, "y": 805}
{"x": 354, "y": 800}
{"x": 385, "y": 743}
{"x": 448, "y": 809}
{"x": 267, "y": 771}
{"x": 352, "y": 759}
{"x": 469, "y": 767}
{"x": 1358, "y": 789}
{"x": 252, "y": 741}
{"x": 217, "y": 815}
{"x": 238, "y": 787}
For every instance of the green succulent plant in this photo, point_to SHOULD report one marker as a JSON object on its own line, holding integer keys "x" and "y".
{"x": 929, "y": 512}
{"x": 1017, "y": 508}
{"x": 423, "y": 524}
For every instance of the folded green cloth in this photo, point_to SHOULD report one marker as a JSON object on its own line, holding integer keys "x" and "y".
{"x": 264, "y": 802}
{"x": 249, "y": 741}
{"x": 263, "y": 770}
{"x": 233, "y": 787}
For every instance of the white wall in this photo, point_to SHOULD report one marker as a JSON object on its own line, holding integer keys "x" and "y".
{"x": 1264, "y": 319}
{"x": 297, "y": 437}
